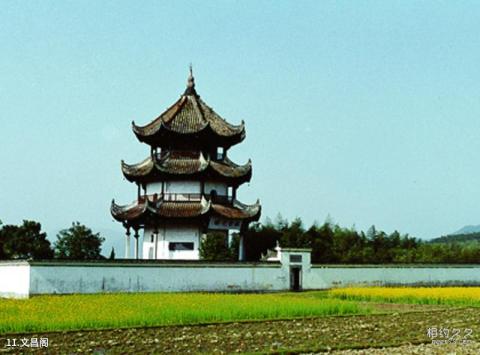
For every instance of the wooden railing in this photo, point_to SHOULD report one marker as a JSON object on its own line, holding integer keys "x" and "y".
{"x": 187, "y": 197}
{"x": 181, "y": 197}
{"x": 221, "y": 199}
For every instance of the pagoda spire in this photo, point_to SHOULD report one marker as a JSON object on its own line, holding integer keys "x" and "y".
{"x": 190, "y": 90}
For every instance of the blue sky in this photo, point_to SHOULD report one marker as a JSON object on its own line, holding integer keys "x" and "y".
{"x": 367, "y": 110}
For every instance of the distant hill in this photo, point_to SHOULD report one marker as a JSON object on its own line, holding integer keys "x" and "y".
{"x": 458, "y": 238}
{"x": 468, "y": 230}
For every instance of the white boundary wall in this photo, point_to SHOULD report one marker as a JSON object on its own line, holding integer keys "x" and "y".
{"x": 150, "y": 277}
{"x": 333, "y": 276}
{"x": 15, "y": 279}
{"x": 20, "y": 279}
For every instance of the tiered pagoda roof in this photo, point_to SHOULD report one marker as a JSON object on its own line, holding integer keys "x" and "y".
{"x": 190, "y": 121}
{"x": 178, "y": 164}
{"x": 149, "y": 208}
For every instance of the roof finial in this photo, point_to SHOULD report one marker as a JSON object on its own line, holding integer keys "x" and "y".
{"x": 190, "y": 83}
{"x": 191, "y": 79}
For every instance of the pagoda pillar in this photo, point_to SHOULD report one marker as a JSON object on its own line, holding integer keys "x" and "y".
{"x": 127, "y": 243}
{"x": 136, "y": 244}
{"x": 155, "y": 238}
{"x": 241, "y": 249}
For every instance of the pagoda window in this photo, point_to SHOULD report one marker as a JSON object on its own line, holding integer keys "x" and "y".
{"x": 180, "y": 246}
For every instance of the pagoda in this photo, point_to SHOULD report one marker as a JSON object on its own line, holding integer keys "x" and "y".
{"x": 187, "y": 186}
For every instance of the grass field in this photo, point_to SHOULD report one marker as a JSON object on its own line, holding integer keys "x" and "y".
{"x": 50, "y": 313}
{"x": 74, "y": 312}
{"x": 454, "y": 296}
{"x": 371, "y": 318}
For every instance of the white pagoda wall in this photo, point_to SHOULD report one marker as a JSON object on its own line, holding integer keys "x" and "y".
{"x": 186, "y": 187}
{"x": 177, "y": 233}
{"x": 182, "y": 187}
{"x": 148, "y": 244}
{"x": 179, "y": 187}
{"x": 167, "y": 234}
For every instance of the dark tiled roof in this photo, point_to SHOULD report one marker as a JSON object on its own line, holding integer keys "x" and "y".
{"x": 237, "y": 211}
{"x": 175, "y": 163}
{"x": 143, "y": 168}
{"x": 185, "y": 209}
{"x": 181, "y": 209}
{"x": 188, "y": 118}
{"x": 128, "y": 212}
{"x": 228, "y": 168}
{"x": 190, "y": 115}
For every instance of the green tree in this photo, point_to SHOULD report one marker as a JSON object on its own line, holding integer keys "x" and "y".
{"x": 78, "y": 243}
{"x": 26, "y": 241}
{"x": 214, "y": 247}
{"x": 259, "y": 238}
{"x": 112, "y": 254}
{"x": 321, "y": 241}
{"x": 280, "y": 224}
{"x": 294, "y": 235}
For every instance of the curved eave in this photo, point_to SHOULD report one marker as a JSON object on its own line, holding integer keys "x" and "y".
{"x": 155, "y": 125}
{"x": 136, "y": 172}
{"x": 141, "y": 211}
{"x": 196, "y": 119}
{"x": 165, "y": 136}
{"x": 149, "y": 170}
{"x": 124, "y": 213}
{"x": 218, "y": 124}
{"x": 182, "y": 209}
{"x": 228, "y": 169}
{"x": 239, "y": 211}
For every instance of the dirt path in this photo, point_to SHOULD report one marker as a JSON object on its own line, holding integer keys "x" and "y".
{"x": 298, "y": 336}
{"x": 472, "y": 348}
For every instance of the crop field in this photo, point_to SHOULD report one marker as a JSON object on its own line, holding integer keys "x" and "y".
{"x": 51, "y": 313}
{"x": 455, "y": 296}
{"x": 343, "y": 321}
